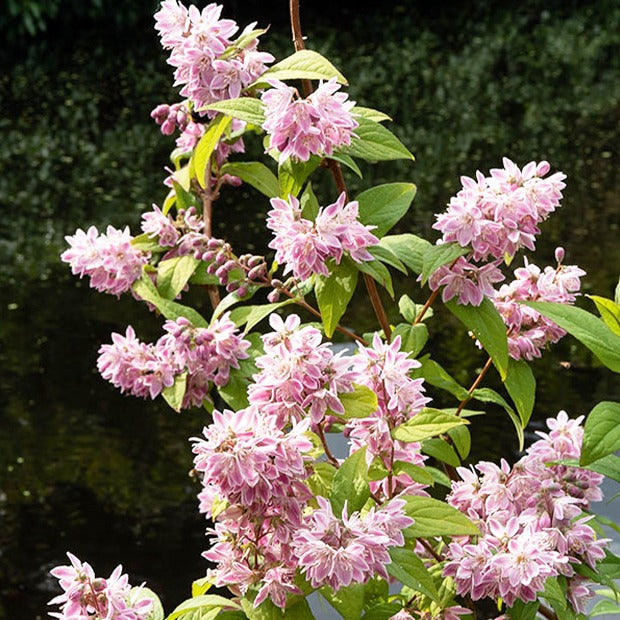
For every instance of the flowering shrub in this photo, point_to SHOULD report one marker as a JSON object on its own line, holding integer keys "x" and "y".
{"x": 370, "y": 532}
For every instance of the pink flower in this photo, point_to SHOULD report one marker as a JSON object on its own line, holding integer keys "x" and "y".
{"x": 298, "y": 375}
{"x": 317, "y": 125}
{"x": 529, "y": 516}
{"x": 499, "y": 214}
{"x": 467, "y": 282}
{"x": 85, "y": 595}
{"x": 156, "y": 224}
{"x": 528, "y": 331}
{"x": 339, "y": 551}
{"x": 109, "y": 260}
{"x": 304, "y": 247}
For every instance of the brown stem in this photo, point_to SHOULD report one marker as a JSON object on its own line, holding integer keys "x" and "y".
{"x": 547, "y": 613}
{"x": 430, "y": 549}
{"x": 207, "y": 197}
{"x": 426, "y": 306}
{"x": 377, "y": 306}
{"x": 334, "y": 167}
{"x": 474, "y": 385}
{"x": 330, "y": 457}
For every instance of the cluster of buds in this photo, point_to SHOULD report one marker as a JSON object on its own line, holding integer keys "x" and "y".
{"x": 169, "y": 117}
{"x": 235, "y": 273}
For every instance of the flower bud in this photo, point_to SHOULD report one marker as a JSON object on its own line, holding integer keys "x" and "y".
{"x": 274, "y": 296}
{"x": 559, "y": 255}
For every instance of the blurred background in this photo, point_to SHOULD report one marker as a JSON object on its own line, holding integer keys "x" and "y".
{"x": 85, "y": 469}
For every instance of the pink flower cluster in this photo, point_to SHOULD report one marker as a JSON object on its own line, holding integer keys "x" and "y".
{"x": 298, "y": 373}
{"x": 304, "y": 246}
{"x": 495, "y": 216}
{"x": 499, "y": 214}
{"x": 385, "y": 369}
{"x": 87, "y": 597}
{"x": 467, "y": 282}
{"x": 528, "y": 331}
{"x": 317, "y": 125}
{"x": 111, "y": 262}
{"x": 205, "y": 354}
{"x": 207, "y": 64}
{"x": 352, "y": 549}
{"x": 252, "y": 476}
{"x": 531, "y": 521}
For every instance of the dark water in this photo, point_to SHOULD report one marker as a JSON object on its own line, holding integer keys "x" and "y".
{"x": 85, "y": 469}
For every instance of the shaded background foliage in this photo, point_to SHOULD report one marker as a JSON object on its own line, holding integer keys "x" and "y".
{"x": 84, "y": 468}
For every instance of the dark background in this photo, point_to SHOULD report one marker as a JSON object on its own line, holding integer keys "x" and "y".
{"x": 83, "y": 468}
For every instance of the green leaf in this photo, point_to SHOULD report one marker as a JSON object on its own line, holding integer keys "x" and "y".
{"x": 604, "y": 607}
{"x": 334, "y": 292}
{"x": 438, "y": 255}
{"x": 255, "y": 174}
{"x": 601, "y": 434}
{"x": 608, "y": 466}
{"x": 435, "y": 518}
{"x": 436, "y": 375}
{"x": 243, "y": 41}
{"x": 293, "y": 174}
{"x": 415, "y": 472}
{"x": 413, "y": 337}
{"x": 375, "y": 143}
{"x": 373, "y": 115}
{"x": 609, "y": 311}
{"x": 347, "y": 601}
{"x": 348, "y": 161}
{"x": 309, "y": 204}
{"x": 145, "y": 289}
{"x": 379, "y": 272}
{"x": 183, "y": 197}
{"x": 299, "y": 611}
{"x": 521, "y": 386}
{"x": 487, "y": 395}
{"x": 183, "y": 178}
{"x": 617, "y": 293}
{"x": 384, "y": 205}
{"x": 321, "y": 481}
{"x": 588, "y": 329}
{"x": 302, "y": 65}
{"x": 252, "y": 315}
{"x": 202, "y": 603}
{"x": 174, "y": 273}
{"x": 235, "y": 392}
{"x": 388, "y": 257}
{"x": 409, "y": 569}
{"x": 555, "y": 594}
{"x": 487, "y": 326}
{"x": 523, "y": 611}
{"x": 144, "y": 243}
{"x": 441, "y": 450}
{"x": 408, "y": 308}
{"x": 350, "y": 484}
{"x": 427, "y": 423}
{"x": 174, "y": 394}
{"x": 410, "y": 249}
{"x": 461, "y": 438}
{"x": 228, "y": 302}
{"x": 201, "y": 586}
{"x": 246, "y": 109}
{"x": 360, "y": 403}
{"x": 383, "y": 611}
{"x": 438, "y": 475}
{"x": 201, "y": 276}
{"x": 206, "y": 145}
